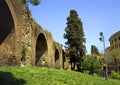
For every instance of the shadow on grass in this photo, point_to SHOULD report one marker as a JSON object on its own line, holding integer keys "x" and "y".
{"x": 7, "y": 78}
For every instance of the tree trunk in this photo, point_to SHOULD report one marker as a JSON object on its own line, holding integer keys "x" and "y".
{"x": 72, "y": 65}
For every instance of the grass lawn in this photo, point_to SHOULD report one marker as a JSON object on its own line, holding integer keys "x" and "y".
{"x": 40, "y": 76}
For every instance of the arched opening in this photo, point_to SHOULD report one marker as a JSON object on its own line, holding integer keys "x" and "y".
{"x": 57, "y": 58}
{"x": 41, "y": 51}
{"x": 6, "y": 21}
{"x": 63, "y": 57}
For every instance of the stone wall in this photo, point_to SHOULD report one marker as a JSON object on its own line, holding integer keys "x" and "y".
{"x": 58, "y": 55}
{"x": 115, "y": 40}
{"x": 11, "y": 28}
{"x": 23, "y": 41}
{"x": 113, "y": 52}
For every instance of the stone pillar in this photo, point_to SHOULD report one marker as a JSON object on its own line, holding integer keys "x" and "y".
{"x": 26, "y": 36}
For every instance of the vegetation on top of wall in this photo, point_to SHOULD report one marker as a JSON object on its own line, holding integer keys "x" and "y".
{"x": 37, "y": 26}
{"x": 48, "y": 33}
{"x": 57, "y": 45}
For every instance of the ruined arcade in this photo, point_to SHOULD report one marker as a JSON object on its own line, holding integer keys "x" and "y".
{"x": 23, "y": 41}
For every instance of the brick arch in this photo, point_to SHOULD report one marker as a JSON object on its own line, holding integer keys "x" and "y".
{"x": 7, "y": 32}
{"x": 6, "y": 21}
{"x": 41, "y": 56}
{"x": 58, "y": 55}
{"x": 10, "y": 36}
{"x": 12, "y": 42}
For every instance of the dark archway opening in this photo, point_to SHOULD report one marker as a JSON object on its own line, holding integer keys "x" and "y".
{"x": 56, "y": 55}
{"x": 41, "y": 50}
{"x": 63, "y": 57}
{"x": 6, "y": 21}
{"x": 57, "y": 58}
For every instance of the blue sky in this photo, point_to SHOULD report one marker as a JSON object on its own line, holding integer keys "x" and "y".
{"x": 97, "y": 16}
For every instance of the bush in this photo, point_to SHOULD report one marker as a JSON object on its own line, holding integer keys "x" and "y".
{"x": 92, "y": 64}
{"x": 115, "y": 75}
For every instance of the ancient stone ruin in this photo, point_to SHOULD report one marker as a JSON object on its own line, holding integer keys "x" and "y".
{"x": 23, "y": 41}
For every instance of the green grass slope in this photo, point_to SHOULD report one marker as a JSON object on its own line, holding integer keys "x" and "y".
{"x": 40, "y": 76}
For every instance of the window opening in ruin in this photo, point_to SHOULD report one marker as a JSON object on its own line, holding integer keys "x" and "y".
{"x": 112, "y": 47}
{"x": 116, "y": 46}
{"x": 115, "y": 39}
{"x": 118, "y": 37}
{"x": 112, "y": 42}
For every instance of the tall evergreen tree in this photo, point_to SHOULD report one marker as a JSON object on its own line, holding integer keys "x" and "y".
{"x": 94, "y": 50}
{"x": 75, "y": 38}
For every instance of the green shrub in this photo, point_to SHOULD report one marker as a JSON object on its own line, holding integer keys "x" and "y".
{"x": 92, "y": 64}
{"x": 115, "y": 75}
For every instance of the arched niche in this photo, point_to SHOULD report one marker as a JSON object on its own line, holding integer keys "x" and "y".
{"x": 63, "y": 57}
{"x": 57, "y": 58}
{"x": 41, "y": 51}
{"x": 6, "y": 21}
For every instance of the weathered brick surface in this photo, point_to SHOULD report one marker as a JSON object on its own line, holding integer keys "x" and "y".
{"x": 23, "y": 41}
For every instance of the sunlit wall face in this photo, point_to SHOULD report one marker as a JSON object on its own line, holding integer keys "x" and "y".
{"x": 6, "y": 21}
{"x": 115, "y": 40}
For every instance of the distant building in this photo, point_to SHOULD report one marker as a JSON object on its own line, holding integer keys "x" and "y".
{"x": 113, "y": 52}
{"x": 115, "y": 40}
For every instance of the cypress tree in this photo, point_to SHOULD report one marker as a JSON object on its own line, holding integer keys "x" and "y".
{"x": 94, "y": 50}
{"x": 75, "y": 38}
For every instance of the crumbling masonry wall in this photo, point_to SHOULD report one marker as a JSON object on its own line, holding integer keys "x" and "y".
{"x": 10, "y": 28}
{"x": 23, "y": 41}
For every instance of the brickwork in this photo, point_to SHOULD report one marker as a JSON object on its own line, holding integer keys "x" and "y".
{"x": 25, "y": 42}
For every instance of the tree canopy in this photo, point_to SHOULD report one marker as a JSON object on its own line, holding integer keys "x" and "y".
{"x": 91, "y": 63}
{"x": 33, "y": 2}
{"x": 94, "y": 50}
{"x": 75, "y": 37}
